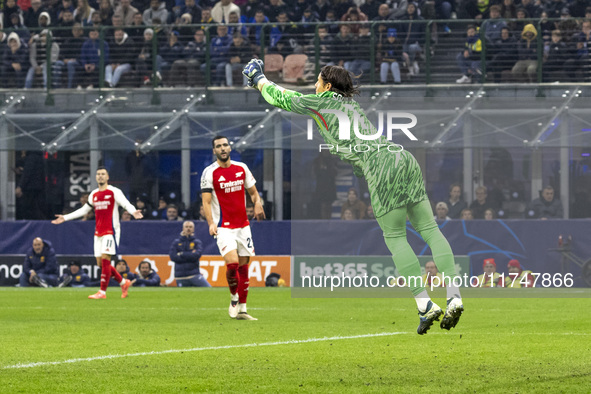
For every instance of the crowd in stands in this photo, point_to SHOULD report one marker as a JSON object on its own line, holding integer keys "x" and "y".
{"x": 165, "y": 42}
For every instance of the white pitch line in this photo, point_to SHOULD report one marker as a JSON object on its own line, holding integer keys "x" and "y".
{"x": 198, "y": 349}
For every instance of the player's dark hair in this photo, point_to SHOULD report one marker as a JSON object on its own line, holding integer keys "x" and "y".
{"x": 102, "y": 168}
{"x": 217, "y": 137}
{"x": 340, "y": 79}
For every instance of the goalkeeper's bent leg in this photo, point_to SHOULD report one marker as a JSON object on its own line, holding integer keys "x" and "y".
{"x": 421, "y": 217}
{"x": 393, "y": 225}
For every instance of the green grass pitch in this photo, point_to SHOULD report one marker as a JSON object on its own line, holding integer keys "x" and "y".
{"x": 500, "y": 345}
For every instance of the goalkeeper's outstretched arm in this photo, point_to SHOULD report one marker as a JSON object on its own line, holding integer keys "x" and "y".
{"x": 272, "y": 93}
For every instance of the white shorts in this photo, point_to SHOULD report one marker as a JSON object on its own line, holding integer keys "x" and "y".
{"x": 105, "y": 245}
{"x": 239, "y": 239}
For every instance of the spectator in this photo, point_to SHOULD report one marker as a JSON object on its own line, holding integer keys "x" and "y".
{"x": 156, "y": 10}
{"x": 255, "y": 31}
{"x": 162, "y": 206}
{"x": 147, "y": 277}
{"x": 31, "y": 187}
{"x": 332, "y": 22}
{"x": 249, "y": 212}
{"x": 14, "y": 60}
{"x": 275, "y": 8}
{"x": 169, "y": 54}
{"x": 383, "y": 15}
{"x": 308, "y": 22}
{"x": 122, "y": 55}
{"x": 430, "y": 273}
{"x": 494, "y": 25}
{"x": 441, "y": 211}
{"x": 508, "y": 10}
{"x": 490, "y": 277}
{"x": 144, "y": 58}
{"x": 411, "y": 37}
{"x": 206, "y": 18}
{"x": 83, "y": 13}
{"x": 326, "y": 47}
{"x": 172, "y": 213}
{"x": 192, "y": 9}
{"x": 369, "y": 213}
{"x": 65, "y": 24}
{"x": 105, "y": 11}
{"x": 296, "y": 10}
{"x": 505, "y": 55}
{"x": 575, "y": 66}
{"x": 144, "y": 205}
{"x": 137, "y": 29}
{"x": 16, "y": 25}
{"x": 361, "y": 49}
{"x": 342, "y": 47}
{"x": 554, "y": 8}
{"x": 186, "y": 252}
{"x": 184, "y": 29}
{"x": 74, "y": 276}
{"x": 240, "y": 54}
{"x": 577, "y": 8}
{"x": 466, "y": 214}
{"x": 220, "y": 45}
{"x": 555, "y": 59}
{"x": 518, "y": 25}
{"x": 3, "y": 44}
{"x": 533, "y": 10}
{"x": 469, "y": 59}
{"x": 123, "y": 269}
{"x": 546, "y": 206}
{"x": 527, "y": 49}
{"x": 31, "y": 17}
{"x": 347, "y": 214}
{"x": 474, "y": 9}
{"x": 353, "y": 203}
{"x": 185, "y": 70}
{"x": 456, "y": 202}
{"x": 518, "y": 277}
{"x": 90, "y": 57}
{"x": 390, "y": 52}
{"x": 38, "y": 59}
{"x": 125, "y": 216}
{"x": 126, "y": 11}
{"x": 370, "y": 8}
{"x": 221, "y": 11}
{"x": 480, "y": 205}
{"x": 354, "y": 15}
{"x": 71, "y": 53}
{"x": 320, "y": 8}
{"x": 40, "y": 266}
{"x": 284, "y": 36}
{"x": 489, "y": 214}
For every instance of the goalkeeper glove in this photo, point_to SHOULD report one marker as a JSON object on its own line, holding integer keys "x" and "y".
{"x": 254, "y": 72}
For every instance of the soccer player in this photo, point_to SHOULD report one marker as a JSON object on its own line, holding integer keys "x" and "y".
{"x": 394, "y": 178}
{"x": 105, "y": 201}
{"x": 222, "y": 186}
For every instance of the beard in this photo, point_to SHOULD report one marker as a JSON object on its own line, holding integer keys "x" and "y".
{"x": 223, "y": 159}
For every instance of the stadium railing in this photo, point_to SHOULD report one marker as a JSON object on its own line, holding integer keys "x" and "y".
{"x": 441, "y": 41}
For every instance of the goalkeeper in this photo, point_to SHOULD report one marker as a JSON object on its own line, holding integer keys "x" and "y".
{"x": 393, "y": 176}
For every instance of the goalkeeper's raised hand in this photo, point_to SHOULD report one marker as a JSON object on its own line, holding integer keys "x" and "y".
{"x": 254, "y": 72}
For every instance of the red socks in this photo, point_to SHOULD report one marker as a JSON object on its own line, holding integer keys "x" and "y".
{"x": 116, "y": 275}
{"x": 243, "y": 282}
{"x": 232, "y": 277}
{"x": 106, "y": 274}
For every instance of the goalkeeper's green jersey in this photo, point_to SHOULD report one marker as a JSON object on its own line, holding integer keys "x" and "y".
{"x": 394, "y": 177}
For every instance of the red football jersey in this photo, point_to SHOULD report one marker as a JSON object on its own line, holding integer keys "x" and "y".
{"x": 228, "y": 198}
{"x": 106, "y": 212}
